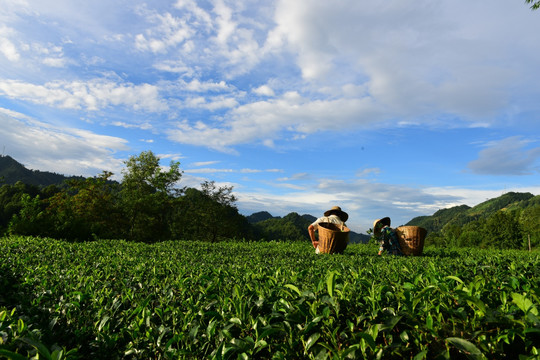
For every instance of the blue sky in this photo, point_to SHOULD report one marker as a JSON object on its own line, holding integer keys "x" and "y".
{"x": 394, "y": 108}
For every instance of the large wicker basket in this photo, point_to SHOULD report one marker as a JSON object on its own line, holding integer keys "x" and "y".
{"x": 411, "y": 239}
{"x": 333, "y": 238}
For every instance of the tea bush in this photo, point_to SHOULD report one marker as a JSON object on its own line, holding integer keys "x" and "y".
{"x": 111, "y": 299}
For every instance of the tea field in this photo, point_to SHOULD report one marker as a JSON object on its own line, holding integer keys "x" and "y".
{"x": 113, "y": 299}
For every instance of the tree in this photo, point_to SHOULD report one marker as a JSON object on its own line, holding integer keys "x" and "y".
{"x": 535, "y": 4}
{"x": 503, "y": 231}
{"x": 147, "y": 196}
{"x": 209, "y": 214}
{"x": 12, "y": 202}
{"x": 85, "y": 209}
{"x": 30, "y": 219}
{"x": 531, "y": 225}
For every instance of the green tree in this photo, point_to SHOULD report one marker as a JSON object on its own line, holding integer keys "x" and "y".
{"x": 535, "y": 4}
{"x": 11, "y": 201}
{"x": 30, "y": 219}
{"x": 85, "y": 209}
{"x": 147, "y": 196}
{"x": 503, "y": 231}
{"x": 530, "y": 224}
{"x": 452, "y": 233}
{"x": 210, "y": 214}
{"x": 472, "y": 234}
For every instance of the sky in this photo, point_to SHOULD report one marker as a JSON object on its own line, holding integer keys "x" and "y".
{"x": 394, "y": 108}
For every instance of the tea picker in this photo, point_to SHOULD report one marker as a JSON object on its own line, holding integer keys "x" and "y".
{"x": 403, "y": 240}
{"x": 333, "y": 233}
{"x": 386, "y": 236}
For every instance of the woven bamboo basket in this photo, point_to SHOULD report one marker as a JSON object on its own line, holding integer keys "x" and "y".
{"x": 333, "y": 238}
{"x": 411, "y": 239}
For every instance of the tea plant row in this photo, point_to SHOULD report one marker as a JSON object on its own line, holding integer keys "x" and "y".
{"x": 237, "y": 300}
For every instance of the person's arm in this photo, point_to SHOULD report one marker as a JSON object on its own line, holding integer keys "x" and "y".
{"x": 311, "y": 231}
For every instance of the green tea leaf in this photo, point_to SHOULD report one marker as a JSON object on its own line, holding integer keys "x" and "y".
{"x": 524, "y": 304}
{"x": 368, "y": 339}
{"x": 331, "y": 283}
{"x": 312, "y": 340}
{"x": 454, "y": 278}
{"x": 467, "y": 347}
{"x": 236, "y": 320}
{"x": 11, "y": 355}
{"x": 293, "y": 288}
{"x": 42, "y": 349}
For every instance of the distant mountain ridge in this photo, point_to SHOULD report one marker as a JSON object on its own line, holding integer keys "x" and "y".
{"x": 12, "y": 171}
{"x": 292, "y": 226}
{"x": 463, "y": 214}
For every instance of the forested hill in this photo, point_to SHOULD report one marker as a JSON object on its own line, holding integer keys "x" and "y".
{"x": 463, "y": 214}
{"x": 12, "y": 171}
{"x": 292, "y": 226}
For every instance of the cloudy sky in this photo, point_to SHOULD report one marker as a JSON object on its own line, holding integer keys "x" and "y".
{"x": 394, "y": 108}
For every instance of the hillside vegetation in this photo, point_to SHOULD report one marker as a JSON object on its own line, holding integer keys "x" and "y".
{"x": 148, "y": 206}
{"x": 511, "y": 220}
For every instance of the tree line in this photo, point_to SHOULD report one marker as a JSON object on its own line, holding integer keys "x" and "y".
{"x": 145, "y": 206}
{"x": 148, "y": 206}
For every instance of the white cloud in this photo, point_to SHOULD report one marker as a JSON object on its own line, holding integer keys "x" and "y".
{"x": 69, "y": 151}
{"x": 169, "y": 32}
{"x": 264, "y": 90}
{"x": 7, "y": 48}
{"x": 91, "y": 95}
{"x": 508, "y": 156}
{"x": 216, "y": 170}
{"x": 143, "y": 126}
{"x": 54, "y": 62}
{"x": 265, "y": 120}
{"x": 197, "y": 86}
{"x": 204, "y": 163}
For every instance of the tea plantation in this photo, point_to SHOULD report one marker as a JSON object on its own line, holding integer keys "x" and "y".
{"x": 111, "y": 299}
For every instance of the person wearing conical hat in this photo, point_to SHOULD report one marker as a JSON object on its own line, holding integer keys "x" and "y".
{"x": 386, "y": 236}
{"x": 335, "y": 216}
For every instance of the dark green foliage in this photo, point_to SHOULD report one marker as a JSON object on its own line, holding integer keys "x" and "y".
{"x": 503, "y": 231}
{"x": 535, "y": 5}
{"x": 86, "y": 209}
{"x": 30, "y": 220}
{"x": 504, "y": 222}
{"x": 14, "y": 197}
{"x": 436, "y": 221}
{"x": 209, "y": 214}
{"x": 291, "y": 227}
{"x": 530, "y": 224}
{"x": 147, "y": 196}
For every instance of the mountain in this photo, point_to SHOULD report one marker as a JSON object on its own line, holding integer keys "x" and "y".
{"x": 12, "y": 171}
{"x": 463, "y": 214}
{"x": 258, "y": 217}
{"x": 291, "y": 227}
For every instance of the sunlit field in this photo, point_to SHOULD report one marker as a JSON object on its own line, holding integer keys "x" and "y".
{"x": 113, "y": 299}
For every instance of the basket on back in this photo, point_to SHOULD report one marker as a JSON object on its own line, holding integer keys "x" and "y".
{"x": 411, "y": 239}
{"x": 333, "y": 238}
